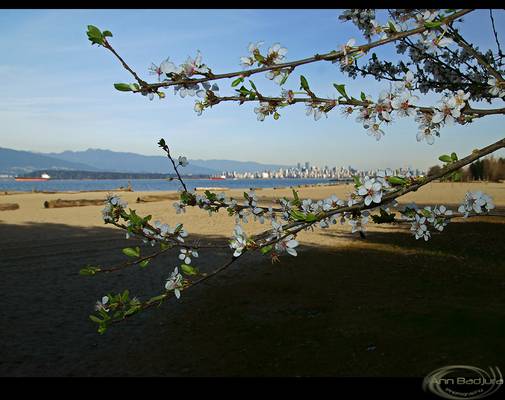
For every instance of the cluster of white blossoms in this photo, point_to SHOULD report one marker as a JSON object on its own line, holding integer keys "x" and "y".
{"x": 191, "y": 67}
{"x": 112, "y": 203}
{"x": 164, "y": 231}
{"x": 317, "y": 110}
{"x": 477, "y": 202}
{"x": 186, "y": 255}
{"x": 275, "y": 55}
{"x": 175, "y": 282}
{"x": 239, "y": 241}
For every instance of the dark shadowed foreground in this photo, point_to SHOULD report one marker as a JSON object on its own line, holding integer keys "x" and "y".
{"x": 392, "y": 307}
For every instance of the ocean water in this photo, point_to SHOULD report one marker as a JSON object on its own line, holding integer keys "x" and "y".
{"x": 71, "y": 185}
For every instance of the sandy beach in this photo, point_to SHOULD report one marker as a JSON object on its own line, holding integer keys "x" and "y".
{"x": 384, "y": 306}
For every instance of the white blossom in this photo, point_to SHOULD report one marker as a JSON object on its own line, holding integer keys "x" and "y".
{"x": 419, "y": 228}
{"x": 175, "y": 282}
{"x": 497, "y": 88}
{"x": 183, "y": 161}
{"x": 371, "y": 190}
{"x": 277, "y": 53}
{"x": 288, "y": 245}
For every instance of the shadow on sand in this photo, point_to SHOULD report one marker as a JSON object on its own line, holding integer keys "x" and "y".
{"x": 389, "y": 306}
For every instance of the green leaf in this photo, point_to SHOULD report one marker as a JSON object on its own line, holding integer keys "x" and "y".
{"x": 130, "y": 252}
{"x": 189, "y": 270}
{"x": 94, "y": 35}
{"x": 237, "y": 81}
{"x": 123, "y": 87}
{"x": 303, "y": 83}
{"x": 266, "y": 249}
{"x": 454, "y": 157}
{"x": 396, "y": 180}
{"x": 286, "y": 76}
{"x": 95, "y": 319}
{"x": 253, "y": 85}
{"x": 445, "y": 158}
{"x": 259, "y": 57}
{"x": 276, "y": 115}
{"x": 88, "y": 271}
{"x": 357, "y": 181}
{"x": 384, "y": 217}
{"x": 341, "y": 89}
{"x": 310, "y": 217}
{"x": 107, "y": 34}
{"x": 165, "y": 246}
{"x": 296, "y": 200}
{"x": 298, "y": 215}
{"x": 156, "y": 298}
{"x": 243, "y": 91}
{"x": 433, "y": 24}
{"x": 363, "y": 96}
{"x": 143, "y": 264}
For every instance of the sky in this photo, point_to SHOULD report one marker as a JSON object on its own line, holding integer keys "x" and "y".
{"x": 57, "y": 91}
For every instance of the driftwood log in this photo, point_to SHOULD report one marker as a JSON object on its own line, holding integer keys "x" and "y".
{"x": 9, "y": 206}
{"x": 59, "y": 203}
{"x": 158, "y": 197}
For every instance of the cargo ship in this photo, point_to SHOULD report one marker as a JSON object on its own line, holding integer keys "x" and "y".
{"x": 42, "y": 178}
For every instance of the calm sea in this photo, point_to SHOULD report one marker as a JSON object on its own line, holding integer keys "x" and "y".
{"x": 70, "y": 185}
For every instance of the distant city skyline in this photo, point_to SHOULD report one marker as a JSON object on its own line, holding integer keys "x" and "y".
{"x": 57, "y": 90}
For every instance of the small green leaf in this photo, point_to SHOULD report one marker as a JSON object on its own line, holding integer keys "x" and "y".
{"x": 445, "y": 158}
{"x": 303, "y": 83}
{"x": 95, "y": 319}
{"x": 107, "y": 34}
{"x": 259, "y": 57}
{"x": 432, "y": 24}
{"x": 88, "y": 271}
{"x": 189, "y": 270}
{"x": 296, "y": 200}
{"x": 130, "y": 252}
{"x": 357, "y": 181}
{"x": 123, "y": 87}
{"x": 276, "y": 115}
{"x": 363, "y": 96}
{"x": 286, "y": 76}
{"x": 143, "y": 264}
{"x": 298, "y": 215}
{"x": 341, "y": 89}
{"x": 156, "y": 298}
{"x": 266, "y": 249}
{"x": 237, "y": 81}
{"x": 396, "y": 180}
{"x": 454, "y": 157}
{"x": 95, "y": 35}
{"x": 253, "y": 85}
{"x": 165, "y": 246}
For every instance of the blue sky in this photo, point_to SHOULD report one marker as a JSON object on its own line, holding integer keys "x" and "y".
{"x": 57, "y": 90}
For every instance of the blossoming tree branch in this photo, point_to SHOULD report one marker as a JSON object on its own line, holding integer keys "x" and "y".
{"x": 434, "y": 57}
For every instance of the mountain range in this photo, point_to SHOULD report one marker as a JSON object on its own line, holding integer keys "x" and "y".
{"x": 16, "y": 162}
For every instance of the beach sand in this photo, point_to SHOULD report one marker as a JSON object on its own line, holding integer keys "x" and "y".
{"x": 387, "y": 305}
